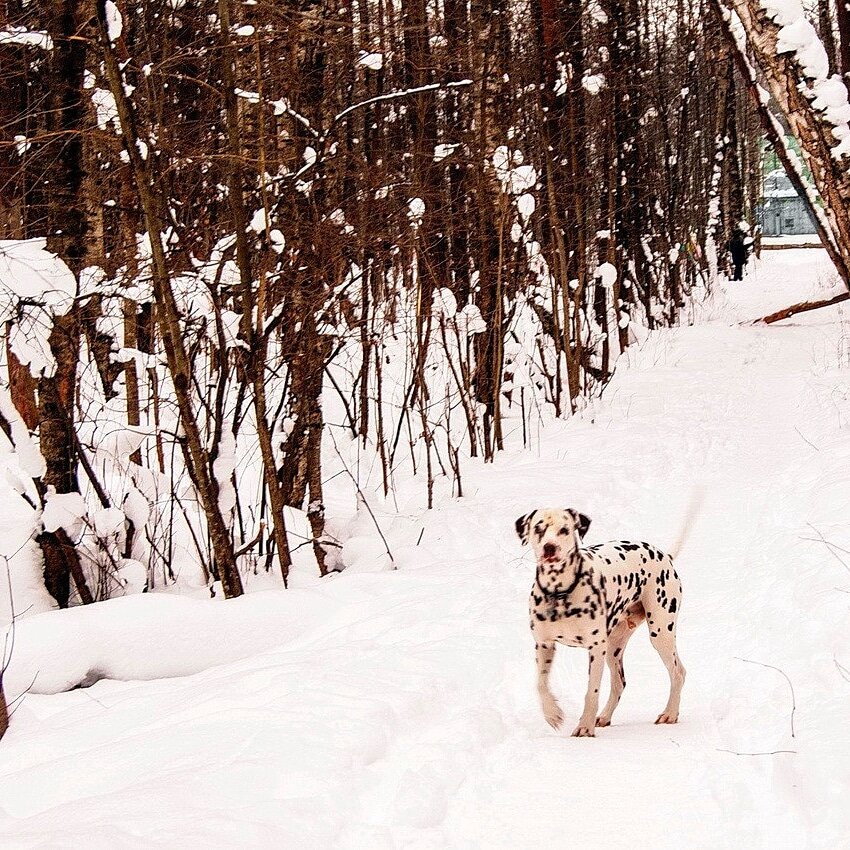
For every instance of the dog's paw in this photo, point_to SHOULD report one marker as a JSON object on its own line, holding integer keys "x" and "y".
{"x": 602, "y": 721}
{"x": 554, "y": 717}
{"x": 667, "y": 718}
{"x": 584, "y": 732}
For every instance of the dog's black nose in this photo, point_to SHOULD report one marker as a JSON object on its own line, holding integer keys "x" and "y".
{"x": 549, "y": 550}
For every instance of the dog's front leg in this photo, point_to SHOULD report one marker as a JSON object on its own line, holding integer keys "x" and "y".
{"x": 551, "y": 711}
{"x": 587, "y": 722}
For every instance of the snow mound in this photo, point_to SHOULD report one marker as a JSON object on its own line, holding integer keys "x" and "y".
{"x": 150, "y": 636}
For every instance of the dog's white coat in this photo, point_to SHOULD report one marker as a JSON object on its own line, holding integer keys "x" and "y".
{"x": 595, "y": 597}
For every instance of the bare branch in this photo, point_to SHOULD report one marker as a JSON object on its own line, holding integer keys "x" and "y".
{"x": 785, "y": 675}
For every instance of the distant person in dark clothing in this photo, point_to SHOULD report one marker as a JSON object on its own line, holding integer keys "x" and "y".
{"x": 739, "y": 250}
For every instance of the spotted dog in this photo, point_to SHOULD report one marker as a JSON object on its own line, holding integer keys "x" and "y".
{"x": 595, "y": 597}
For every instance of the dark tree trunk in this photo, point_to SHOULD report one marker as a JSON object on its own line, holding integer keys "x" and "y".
{"x": 628, "y": 174}
{"x": 4, "y": 709}
{"x": 827, "y": 36}
{"x": 561, "y": 70}
{"x": 842, "y": 18}
{"x": 67, "y": 235}
{"x": 425, "y": 177}
{"x": 458, "y": 121}
{"x": 300, "y": 474}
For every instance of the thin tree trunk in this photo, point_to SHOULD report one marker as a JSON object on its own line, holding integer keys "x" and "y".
{"x": 827, "y": 35}
{"x": 168, "y": 317}
{"x": 4, "y": 709}
{"x": 134, "y": 413}
{"x": 256, "y": 342}
{"x": 842, "y": 19}
{"x": 67, "y": 228}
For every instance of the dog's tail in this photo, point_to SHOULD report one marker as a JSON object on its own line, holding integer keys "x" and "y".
{"x": 694, "y": 505}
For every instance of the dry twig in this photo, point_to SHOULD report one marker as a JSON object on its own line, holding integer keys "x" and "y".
{"x": 778, "y": 670}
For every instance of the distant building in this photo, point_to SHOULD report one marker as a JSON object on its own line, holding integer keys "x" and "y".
{"x": 782, "y": 212}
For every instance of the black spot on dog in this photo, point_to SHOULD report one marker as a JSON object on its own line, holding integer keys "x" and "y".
{"x": 673, "y": 605}
{"x": 669, "y": 627}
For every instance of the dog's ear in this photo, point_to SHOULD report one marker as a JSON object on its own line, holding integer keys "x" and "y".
{"x": 523, "y": 527}
{"x": 581, "y": 520}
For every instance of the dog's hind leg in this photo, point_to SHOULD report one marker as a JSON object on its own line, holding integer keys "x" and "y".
{"x": 662, "y": 610}
{"x": 665, "y": 645}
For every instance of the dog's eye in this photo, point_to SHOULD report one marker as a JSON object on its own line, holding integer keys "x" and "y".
{"x": 540, "y": 530}
{"x": 564, "y": 530}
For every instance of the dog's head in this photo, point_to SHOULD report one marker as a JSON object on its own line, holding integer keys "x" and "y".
{"x": 554, "y": 534}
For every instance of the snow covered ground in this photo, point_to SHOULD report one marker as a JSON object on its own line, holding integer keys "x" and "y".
{"x": 799, "y": 240}
{"x": 397, "y": 709}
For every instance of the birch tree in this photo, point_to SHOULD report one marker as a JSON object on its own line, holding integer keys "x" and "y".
{"x": 795, "y": 66}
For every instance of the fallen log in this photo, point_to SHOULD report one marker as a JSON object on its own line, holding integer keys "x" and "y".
{"x": 803, "y": 307}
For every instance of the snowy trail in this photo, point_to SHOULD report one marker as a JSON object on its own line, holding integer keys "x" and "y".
{"x": 404, "y": 713}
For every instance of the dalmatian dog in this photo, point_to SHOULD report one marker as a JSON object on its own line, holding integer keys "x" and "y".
{"x": 595, "y": 597}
